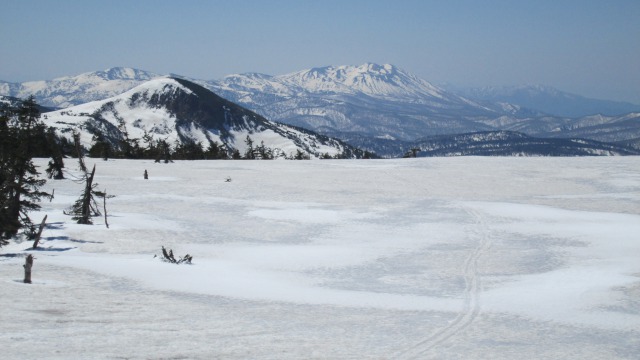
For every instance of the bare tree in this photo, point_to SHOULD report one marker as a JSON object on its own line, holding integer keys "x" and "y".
{"x": 36, "y": 240}
{"x": 169, "y": 257}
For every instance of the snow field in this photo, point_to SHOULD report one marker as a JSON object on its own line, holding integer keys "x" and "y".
{"x": 490, "y": 258}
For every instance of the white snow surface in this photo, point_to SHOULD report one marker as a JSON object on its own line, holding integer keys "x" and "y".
{"x": 439, "y": 258}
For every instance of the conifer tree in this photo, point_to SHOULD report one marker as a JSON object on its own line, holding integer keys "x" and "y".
{"x": 264, "y": 152}
{"x": 101, "y": 147}
{"x": 19, "y": 181}
{"x": 151, "y": 149}
{"x": 86, "y": 206}
{"x": 300, "y": 155}
{"x": 249, "y": 153}
{"x": 213, "y": 151}
{"x": 163, "y": 152}
{"x": 56, "y": 164}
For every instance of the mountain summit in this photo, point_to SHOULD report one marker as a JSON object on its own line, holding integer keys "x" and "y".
{"x": 374, "y": 100}
{"x": 179, "y": 111}
{"x": 375, "y": 80}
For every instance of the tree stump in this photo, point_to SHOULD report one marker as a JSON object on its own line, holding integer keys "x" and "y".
{"x": 27, "y": 269}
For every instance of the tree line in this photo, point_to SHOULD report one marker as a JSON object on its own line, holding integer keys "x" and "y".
{"x": 161, "y": 150}
{"x": 23, "y": 136}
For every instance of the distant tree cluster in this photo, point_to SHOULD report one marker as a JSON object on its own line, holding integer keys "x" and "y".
{"x": 161, "y": 150}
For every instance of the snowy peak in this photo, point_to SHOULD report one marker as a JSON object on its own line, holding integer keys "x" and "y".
{"x": 369, "y": 79}
{"x": 156, "y": 88}
{"x": 123, "y": 73}
{"x": 112, "y": 75}
{"x": 181, "y": 112}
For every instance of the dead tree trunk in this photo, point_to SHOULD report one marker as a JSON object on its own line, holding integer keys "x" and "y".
{"x": 27, "y": 269}
{"x": 37, "y": 239}
{"x": 168, "y": 256}
{"x": 85, "y": 217}
{"x": 104, "y": 205}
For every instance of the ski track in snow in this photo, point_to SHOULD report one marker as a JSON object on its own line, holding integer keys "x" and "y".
{"x": 480, "y": 233}
{"x": 461, "y": 258}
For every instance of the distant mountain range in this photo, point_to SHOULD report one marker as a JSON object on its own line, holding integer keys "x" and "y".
{"x": 380, "y": 108}
{"x": 550, "y": 100}
{"x": 510, "y": 143}
{"x": 75, "y": 90}
{"x": 179, "y": 111}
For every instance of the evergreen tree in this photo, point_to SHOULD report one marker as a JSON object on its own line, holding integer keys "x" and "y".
{"x": 189, "y": 150}
{"x": 150, "y": 151}
{"x": 56, "y": 164}
{"x": 163, "y": 152}
{"x": 19, "y": 183}
{"x": 300, "y": 155}
{"x": 214, "y": 151}
{"x": 249, "y": 154}
{"x": 86, "y": 206}
{"x": 101, "y": 147}
{"x": 264, "y": 152}
{"x": 130, "y": 148}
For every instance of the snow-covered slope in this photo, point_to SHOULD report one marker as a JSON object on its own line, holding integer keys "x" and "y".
{"x": 379, "y": 81}
{"x": 456, "y": 258}
{"x": 384, "y": 81}
{"x": 176, "y": 110}
{"x": 74, "y": 90}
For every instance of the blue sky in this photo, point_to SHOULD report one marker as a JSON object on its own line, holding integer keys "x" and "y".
{"x": 591, "y": 48}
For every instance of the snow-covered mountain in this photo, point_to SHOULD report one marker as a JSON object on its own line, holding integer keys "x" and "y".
{"x": 376, "y": 104}
{"x": 510, "y": 143}
{"x": 379, "y": 101}
{"x": 178, "y": 111}
{"x": 74, "y": 90}
{"x": 550, "y": 100}
{"x": 378, "y": 81}
{"x": 14, "y": 102}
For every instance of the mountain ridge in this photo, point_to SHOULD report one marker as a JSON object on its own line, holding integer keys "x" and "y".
{"x": 69, "y": 91}
{"x": 550, "y": 100}
{"x": 511, "y": 143}
{"x": 379, "y": 102}
{"x": 178, "y": 111}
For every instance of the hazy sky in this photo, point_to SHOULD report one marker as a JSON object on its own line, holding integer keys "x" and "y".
{"x": 591, "y": 48}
